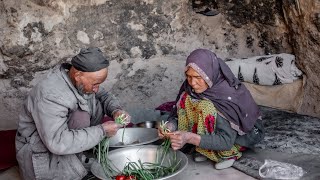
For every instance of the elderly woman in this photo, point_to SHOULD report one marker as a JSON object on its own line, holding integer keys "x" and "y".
{"x": 214, "y": 111}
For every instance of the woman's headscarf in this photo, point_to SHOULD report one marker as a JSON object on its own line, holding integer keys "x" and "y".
{"x": 226, "y": 92}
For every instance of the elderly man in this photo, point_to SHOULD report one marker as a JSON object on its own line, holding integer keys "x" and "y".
{"x": 62, "y": 118}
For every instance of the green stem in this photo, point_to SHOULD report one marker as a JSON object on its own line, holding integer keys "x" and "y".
{"x": 123, "y": 133}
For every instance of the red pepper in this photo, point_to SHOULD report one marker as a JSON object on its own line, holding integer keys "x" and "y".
{"x": 131, "y": 177}
{"x": 121, "y": 177}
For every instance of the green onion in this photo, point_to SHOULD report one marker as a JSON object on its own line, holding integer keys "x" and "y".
{"x": 142, "y": 171}
{"x": 122, "y": 119}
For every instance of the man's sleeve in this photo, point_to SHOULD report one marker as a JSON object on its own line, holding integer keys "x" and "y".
{"x": 50, "y": 117}
{"x": 108, "y": 101}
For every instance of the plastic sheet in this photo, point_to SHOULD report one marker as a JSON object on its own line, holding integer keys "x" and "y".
{"x": 279, "y": 170}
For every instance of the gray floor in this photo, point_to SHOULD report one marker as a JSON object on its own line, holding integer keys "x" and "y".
{"x": 205, "y": 171}
{"x": 194, "y": 171}
{"x": 308, "y": 162}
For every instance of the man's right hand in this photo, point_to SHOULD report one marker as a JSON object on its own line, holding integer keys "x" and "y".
{"x": 111, "y": 128}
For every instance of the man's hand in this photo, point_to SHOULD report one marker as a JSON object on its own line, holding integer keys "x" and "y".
{"x": 124, "y": 116}
{"x": 111, "y": 128}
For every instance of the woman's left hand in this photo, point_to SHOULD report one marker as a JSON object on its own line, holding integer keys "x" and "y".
{"x": 179, "y": 139}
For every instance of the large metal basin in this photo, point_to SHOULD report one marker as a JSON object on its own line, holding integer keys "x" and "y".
{"x": 133, "y": 137}
{"x": 146, "y": 153}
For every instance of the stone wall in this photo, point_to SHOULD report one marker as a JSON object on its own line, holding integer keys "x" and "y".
{"x": 303, "y": 21}
{"x": 147, "y": 42}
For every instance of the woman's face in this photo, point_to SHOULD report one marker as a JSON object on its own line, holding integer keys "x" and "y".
{"x": 196, "y": 81}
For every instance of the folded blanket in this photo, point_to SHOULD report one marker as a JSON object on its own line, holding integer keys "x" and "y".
{"x": 265, "y": 70}
{"x": 285, "y": 97}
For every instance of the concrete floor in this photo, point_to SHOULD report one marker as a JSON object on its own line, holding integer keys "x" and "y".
{"x": 194, "y": 171}
{"x": 206, "y": 171}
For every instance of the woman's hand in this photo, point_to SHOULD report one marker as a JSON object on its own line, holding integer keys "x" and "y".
{"x": 180, "y": 138}
{"x": 169, "y": 126}
{"x": 160, "y": 133}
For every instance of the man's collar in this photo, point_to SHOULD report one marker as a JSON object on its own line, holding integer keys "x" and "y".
{"x": 64, "y": 69}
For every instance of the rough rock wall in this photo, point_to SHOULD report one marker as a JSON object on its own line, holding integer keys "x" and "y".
{"x": 303, "y": 21}
{"x": 146, "y": 40}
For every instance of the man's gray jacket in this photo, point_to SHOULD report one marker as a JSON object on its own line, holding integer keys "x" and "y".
{"x": 46, "y": 147}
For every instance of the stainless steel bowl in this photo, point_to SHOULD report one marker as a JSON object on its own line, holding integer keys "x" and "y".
{"x": 133, "y": 137}
{"x": 149, "y": 124}
{"x": 145, "y": 153}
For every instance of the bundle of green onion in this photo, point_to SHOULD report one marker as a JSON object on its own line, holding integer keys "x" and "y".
{"x": 140, "y": 170}
{"x": 101, "y": 153}
{"x": 122, "y": 120}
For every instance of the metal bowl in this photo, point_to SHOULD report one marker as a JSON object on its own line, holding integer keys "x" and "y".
{"x": 145, "y": 153}
{"x": 133, "y": 137}
{"x": 149, "y": 124}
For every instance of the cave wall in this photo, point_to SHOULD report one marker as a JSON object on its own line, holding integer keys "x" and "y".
{"x": 147, "y": 42}
{"x": 303, "y": 21}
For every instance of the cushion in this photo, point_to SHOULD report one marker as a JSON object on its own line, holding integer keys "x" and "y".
{"x": 7, "y": 151}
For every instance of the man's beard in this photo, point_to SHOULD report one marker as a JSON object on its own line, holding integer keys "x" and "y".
{"x": 81, "y": 91}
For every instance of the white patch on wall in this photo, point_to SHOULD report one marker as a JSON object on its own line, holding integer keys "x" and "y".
{"x": 36, "y": 35}
{"x": 136, "y": 27}
{"x": 143, "y": 38}
{"x": 83, "y": 37}
{"x": 58, "y": 38}
{"x": 3, "y": 67}
{"x": 176, "y": 23}
{"x": 98, "y": 35}
{"x": 148, "y": 1}
{"x": 99, "y": 2}
{"x": 135, "y": 51}
{"x": 49, "y": 21}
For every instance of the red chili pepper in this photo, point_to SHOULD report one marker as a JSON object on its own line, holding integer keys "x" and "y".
{"x": 131, "y": 177}
{"x": 121, "y": 177}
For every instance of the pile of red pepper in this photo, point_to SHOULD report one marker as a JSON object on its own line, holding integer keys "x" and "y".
{"x": 124, "y": 177}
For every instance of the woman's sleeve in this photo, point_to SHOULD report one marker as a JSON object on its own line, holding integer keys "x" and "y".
{"x": 223, "y": 139}
{"x": 173, "y": 117}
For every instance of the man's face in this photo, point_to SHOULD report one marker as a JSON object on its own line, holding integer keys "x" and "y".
{"x": 196, "y": 81}
{"x": 88, "y": 82}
